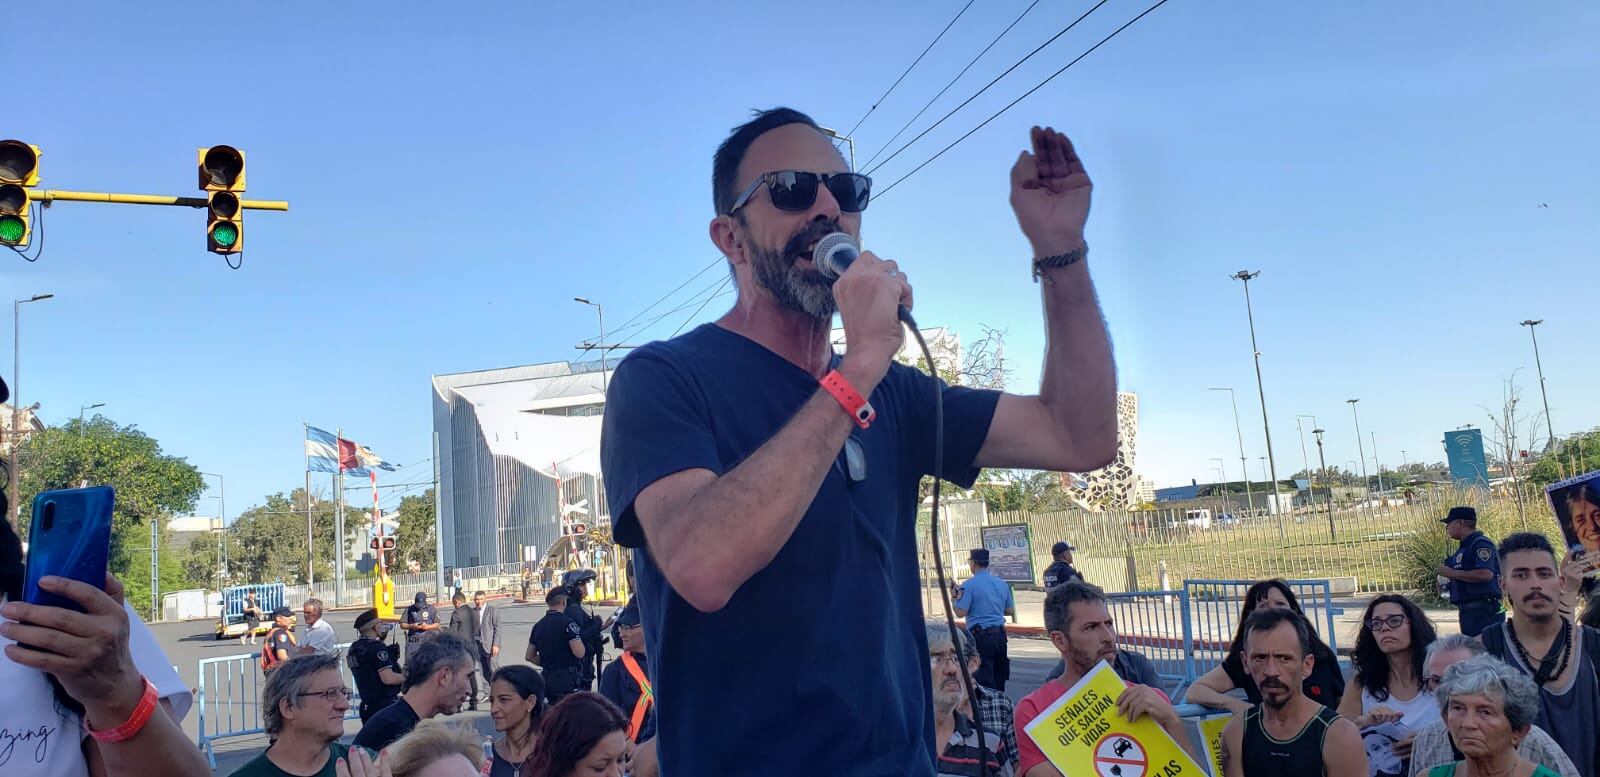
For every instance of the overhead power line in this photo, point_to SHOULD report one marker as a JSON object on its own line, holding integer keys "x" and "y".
{"x": 996, "y": 80}
{"x": 953, "y": 81}
{"x": 1024, "y": 96}
{"x": 912, "y": 66}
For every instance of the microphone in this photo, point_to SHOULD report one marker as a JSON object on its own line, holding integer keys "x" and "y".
{"x": 835, "y": 253}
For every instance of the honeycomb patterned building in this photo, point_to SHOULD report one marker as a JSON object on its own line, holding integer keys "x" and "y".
{"x": 1112, "y": 487}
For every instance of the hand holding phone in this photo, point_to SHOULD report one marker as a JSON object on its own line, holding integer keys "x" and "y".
{"x": 69, "y": 537}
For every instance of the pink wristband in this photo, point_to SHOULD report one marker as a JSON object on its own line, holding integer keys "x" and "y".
{"x": 135, "y": 722}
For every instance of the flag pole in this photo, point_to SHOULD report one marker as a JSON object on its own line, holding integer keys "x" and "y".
{"x": 338, "y": 523}
{"x": 311, "y": 575}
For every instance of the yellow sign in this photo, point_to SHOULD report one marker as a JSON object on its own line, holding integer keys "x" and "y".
{"x": 1082, "y": 734}
{"x": 1211, "y": 737}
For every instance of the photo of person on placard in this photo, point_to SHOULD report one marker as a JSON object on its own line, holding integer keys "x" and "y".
{"x": 1576, "y": 502}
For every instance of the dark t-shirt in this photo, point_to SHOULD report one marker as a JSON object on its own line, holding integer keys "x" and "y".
{"x": 618, "y": 685}
{"x": 365, "y": 657}
{"x": 261, "y": 766}
{"x": 391, "y": 723}
{"x": 551, "y": 635}
{"x": 708, "y": 400}
{"x": 1325, "y": 684}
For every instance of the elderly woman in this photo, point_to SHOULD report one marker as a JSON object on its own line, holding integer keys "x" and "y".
{"x": 1488, "y": 708}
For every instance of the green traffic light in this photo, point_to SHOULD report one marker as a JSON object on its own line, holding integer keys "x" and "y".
{"x": 225, "y": 235}
{"x": 12, "y": 229}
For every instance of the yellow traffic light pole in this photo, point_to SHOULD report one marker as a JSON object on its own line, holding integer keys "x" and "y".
{"x": 51, "y": 195}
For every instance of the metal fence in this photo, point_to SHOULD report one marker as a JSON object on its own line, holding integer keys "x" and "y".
{"x": 1214, "y": 607}
{"x": 229, "y": 699}
{"x": 1165, "y": 634}
{"x": 1356, "y": 549}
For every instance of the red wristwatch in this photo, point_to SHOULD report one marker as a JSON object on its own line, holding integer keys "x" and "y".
{"x": 851, "y": 400}
{"x": 135, "y": 722}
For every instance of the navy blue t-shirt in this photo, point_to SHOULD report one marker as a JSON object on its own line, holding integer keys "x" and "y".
{"x": 819, "y": 662}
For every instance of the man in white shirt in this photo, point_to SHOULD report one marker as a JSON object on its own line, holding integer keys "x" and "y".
{"x": 316, "y": 634}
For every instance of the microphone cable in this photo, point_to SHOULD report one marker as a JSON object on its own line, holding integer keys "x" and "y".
{"x": 938, "y": 561}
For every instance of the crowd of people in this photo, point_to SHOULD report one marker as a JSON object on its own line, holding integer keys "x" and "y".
{"x": 1506, "y": 697}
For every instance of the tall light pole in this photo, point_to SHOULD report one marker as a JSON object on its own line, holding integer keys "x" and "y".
{"x": 16, "y": 401}
{"x": 1304, "y": 459}
{"x": 1244, "y": 468}
{"x": 1272, "y": 463}
{"x": 222, "y": 521}
{"x": 1376, "y": 462}
{"x": 1550, "y": 434}
{"x": 1323, "y": 462}
{"x": 1222, "y": 473}
{"x": 1360, "y": 449}
{"x": 602, "y": 313}
{"x": 82, "y": 408}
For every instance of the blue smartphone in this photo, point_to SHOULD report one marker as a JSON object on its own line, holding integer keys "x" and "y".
{"x": 70, "y": 537}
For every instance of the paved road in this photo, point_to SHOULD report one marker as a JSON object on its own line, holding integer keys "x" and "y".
{"x": 189, "y": 642}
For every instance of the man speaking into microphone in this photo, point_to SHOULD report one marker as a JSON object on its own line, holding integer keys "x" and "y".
{"x": 771, "y": 483}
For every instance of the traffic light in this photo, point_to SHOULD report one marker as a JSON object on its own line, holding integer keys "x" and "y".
{"x": 388, "y": 543}
{"x": 19, "y": 169}
{"x": 222, "y": 179}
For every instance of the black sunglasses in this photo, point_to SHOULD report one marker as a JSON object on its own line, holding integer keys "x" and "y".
{"x": 796, "y": 190}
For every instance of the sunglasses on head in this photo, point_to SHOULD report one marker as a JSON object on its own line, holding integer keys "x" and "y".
{"x": 796, "y": 190}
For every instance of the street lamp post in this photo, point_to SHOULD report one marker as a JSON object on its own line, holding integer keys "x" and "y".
{"x": 1376, "y": 463}
{"x": 1304, "y": 459}
{"x": 1322, "y": 461}
{"x": 1222, "y": 483}
{"x": 1244, "y": 469}
{"x": 1360, "y": 449}
{"x": 1550, "y": 433}
{"x": 222, "y": 522}
{"x": 1272, "y": 463}
{"x": 82, "y": 408}
{"x": 16, "y": 401}
{"x": 601, "y": 312}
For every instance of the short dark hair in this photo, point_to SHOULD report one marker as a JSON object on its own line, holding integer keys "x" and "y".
{"x": 441, "y": 652}
{"x": 1058, "y": 603}
{"x": 558, "y": 592}
{"x": 1525, "y": 540}
{"x": 725, "y": 165}
{"x": 1269, "y": 618}
{"x": 476, "y": 594}
{"x": 288, "y": 681}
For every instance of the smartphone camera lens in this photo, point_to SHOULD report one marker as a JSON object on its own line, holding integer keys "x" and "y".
{"x": 47, "y": 520}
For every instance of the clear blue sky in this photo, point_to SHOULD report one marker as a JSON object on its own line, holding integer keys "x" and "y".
{"x": 457, "y": 176}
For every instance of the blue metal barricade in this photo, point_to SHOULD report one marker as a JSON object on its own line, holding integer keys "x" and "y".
{"x": 229, "y": 698}
{"x": 1215, "y": 606}
{"x": 1160, "y": 631}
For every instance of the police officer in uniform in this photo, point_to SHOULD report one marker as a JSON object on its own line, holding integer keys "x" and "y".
{"x": 589, "y": 624}
{"x": 985, "y": 601}
{"x": 1472, "y": 573}
{"x": 556, "y": 646}
{"x": 375, "y": 665}
{"x": 1061, "y": 570}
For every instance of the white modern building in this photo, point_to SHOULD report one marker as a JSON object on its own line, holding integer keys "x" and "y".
{"x": 509, "y": 443}
{"x": 1114, "y": 486}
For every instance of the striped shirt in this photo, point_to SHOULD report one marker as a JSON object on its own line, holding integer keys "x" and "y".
{"x": 998, "y": 714}
{"x": 960, "y": 755}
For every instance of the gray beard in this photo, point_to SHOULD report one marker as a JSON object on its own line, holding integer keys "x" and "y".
{"x": 792, "y": 287}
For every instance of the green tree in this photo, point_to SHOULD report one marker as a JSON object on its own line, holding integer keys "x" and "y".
{"x": 151, "y": 487}
{"x": 415, "y": 541}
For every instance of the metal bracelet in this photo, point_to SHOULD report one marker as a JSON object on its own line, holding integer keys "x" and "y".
{"x": 1040, "y": 264}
